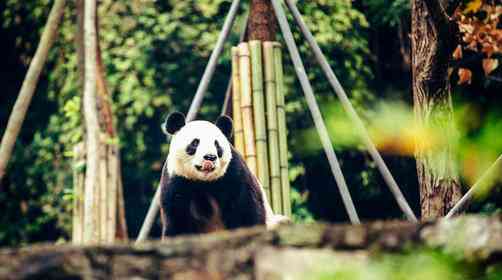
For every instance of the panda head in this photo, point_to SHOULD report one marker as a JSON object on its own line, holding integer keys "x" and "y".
{"x": 199, "y": 150}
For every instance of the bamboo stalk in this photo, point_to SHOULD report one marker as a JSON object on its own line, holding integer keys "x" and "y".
{"x": 247, "y": 107}
{"x": 236, "y": 103}
{"x": 273, "y": 138}
{"x": 259, "y": 114}
{"x": 282, "y": 129}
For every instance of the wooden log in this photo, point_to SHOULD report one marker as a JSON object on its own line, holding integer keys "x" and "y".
{"x": 272, "y": 124}
{"x": 236, "y": 103}
{"x": 282, "y": 129}
{"x": 247, "y": 107}
{"x": 259, "y": 114}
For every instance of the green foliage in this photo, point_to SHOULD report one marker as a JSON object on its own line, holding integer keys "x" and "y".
{"x": 154, "y": 54}
{"x": 387, "y": 12}
{"x": 418, "y": 264}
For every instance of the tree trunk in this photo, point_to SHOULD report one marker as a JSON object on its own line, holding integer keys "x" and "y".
{"x": 262, "y": 24}
{"x": 107, "y": 202}
{"x": 91, "y": 125}
{"x": 433, "y": 36}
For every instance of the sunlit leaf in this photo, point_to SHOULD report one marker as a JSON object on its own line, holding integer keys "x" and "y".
{"x": 489, "y": 65}
{"x": 473, "y": 6}
{"x": 465, "y": 76}
{"x": 457, "y": 54}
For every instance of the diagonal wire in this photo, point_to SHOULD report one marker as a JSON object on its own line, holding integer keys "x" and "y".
{"x": 194, "y": 108}
{"x": 382, "y": 167}
{"x": 316, "y": 113}
{"x": 462, "y": 203}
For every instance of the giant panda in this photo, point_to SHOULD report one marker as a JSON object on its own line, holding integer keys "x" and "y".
{"x": 205, "y": 183}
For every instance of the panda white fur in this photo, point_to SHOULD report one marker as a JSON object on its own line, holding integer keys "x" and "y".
{"x": 207, "y": 186}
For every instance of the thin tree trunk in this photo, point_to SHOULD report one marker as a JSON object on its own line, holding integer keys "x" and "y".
{"x": 262, "y": 24}
{"x": 29, "y": 85}
{"x": 432, "y": 39}
{"x": 108, "y": 200}
{"x": 91, "y": 121}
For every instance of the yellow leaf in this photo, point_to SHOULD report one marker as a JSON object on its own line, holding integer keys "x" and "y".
{"x": 473, "y": 6}
{"x": 489, "y": 65}
{"x": 465, "y": 76}
{"x": 457, "y": 54}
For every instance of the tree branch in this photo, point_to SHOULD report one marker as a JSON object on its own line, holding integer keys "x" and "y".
{"x": 23, "y": 101}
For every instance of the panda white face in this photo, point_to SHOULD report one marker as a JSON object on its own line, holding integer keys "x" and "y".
{"x": 199, "y": 151}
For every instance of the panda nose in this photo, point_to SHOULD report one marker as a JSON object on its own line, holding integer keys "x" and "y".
{"x": 210, "y": 157}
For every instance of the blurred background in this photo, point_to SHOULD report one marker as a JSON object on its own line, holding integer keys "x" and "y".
{"x": 154, "y": 54}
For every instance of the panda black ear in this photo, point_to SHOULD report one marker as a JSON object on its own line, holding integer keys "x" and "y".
{"x": 174, "y": 122}
{"x": 224, "y": 123}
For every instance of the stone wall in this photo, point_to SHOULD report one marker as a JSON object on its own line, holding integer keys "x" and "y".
{"x": 289, "y": 252}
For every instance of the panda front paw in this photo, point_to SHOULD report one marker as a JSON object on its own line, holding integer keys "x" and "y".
{"x": 274, "y": 220}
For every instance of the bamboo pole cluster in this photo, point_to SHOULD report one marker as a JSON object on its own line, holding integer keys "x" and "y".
{"x": 260, "y": 119}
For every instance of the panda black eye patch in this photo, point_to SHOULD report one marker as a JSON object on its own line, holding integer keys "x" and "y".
{"x": 219, "y": 150}
{"x": 192, "y": 147}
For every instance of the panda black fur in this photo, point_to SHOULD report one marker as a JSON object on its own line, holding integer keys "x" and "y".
{"x": 201, "y": 193}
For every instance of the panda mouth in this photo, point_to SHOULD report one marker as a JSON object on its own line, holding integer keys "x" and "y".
{"x": 206, "y": 167}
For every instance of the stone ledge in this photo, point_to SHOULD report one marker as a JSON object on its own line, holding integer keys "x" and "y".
{"x": 244, "y": 254}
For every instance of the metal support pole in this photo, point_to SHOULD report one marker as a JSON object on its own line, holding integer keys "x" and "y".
{"x": 314, "y": 110}
{"x": 228, "y": 93}
{"x": 335, "y": 84}
{"x": 462, "y": 203}
{"x": 211, "y": 66}
{"x": 152, "y": 213}
{"x": 194, "y": 108}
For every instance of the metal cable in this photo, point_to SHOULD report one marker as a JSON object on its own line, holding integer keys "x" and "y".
{"x": 462, "y": 203}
